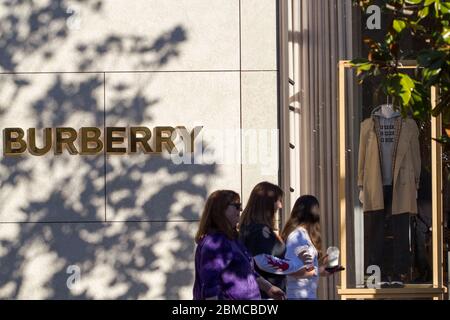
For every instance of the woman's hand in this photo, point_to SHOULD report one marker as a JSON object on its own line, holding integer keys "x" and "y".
{"x": 276, "y": 293}
{"x": 272, "y": 291}
{"x": 323, "y": 272}
{"x": 305, "y": 257}
{"x": 326, "y": 273}
{"x": 322, "y": 265}
{"x": 308, "y": 270}
{"x": 323, "y": 260}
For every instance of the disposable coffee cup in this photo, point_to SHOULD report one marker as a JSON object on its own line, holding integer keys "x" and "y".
{"x": 333, "y": 257}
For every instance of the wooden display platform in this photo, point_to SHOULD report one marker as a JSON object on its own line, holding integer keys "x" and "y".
{"x": 408, "y": 292}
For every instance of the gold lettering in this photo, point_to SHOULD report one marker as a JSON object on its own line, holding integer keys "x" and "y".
{"x": 65, "y": 137}
{"x": 111, "y": 140}
{"x": 134, "y": 139}
{"x": 189, "y": 139}
{"x": 32, "y": 148}
{"x": 9, "y": 141}
{"x": 90, "y": 141}
{"x": 165, "y": 135}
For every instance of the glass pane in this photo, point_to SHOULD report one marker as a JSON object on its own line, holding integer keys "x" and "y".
{"x": 388, "y": 190}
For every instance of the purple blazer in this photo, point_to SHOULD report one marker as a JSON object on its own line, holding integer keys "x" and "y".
{"x": 223, "y": 268}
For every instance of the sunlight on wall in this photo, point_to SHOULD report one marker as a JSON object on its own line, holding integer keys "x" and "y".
{"x": 125, "y": 223}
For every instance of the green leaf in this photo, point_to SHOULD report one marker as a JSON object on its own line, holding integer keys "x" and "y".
{"x": 357, "y": 61}
{"x": 424, "y": 12}
{"x": 413, "y": 1}
{"x": 442, "y": 140}
{"x": 398, "y": 25}
{"x": 431, "y": 58}
{"x": 437, "y": 8}
{"x": 407, "y": 85}
{"x": 430, "y": 75}
{"x": 446, "y": 35}
{"x": 362, "y": 65}
{"x": 431, "y": 72}
{"x": 365, "y": 66}
{"x": 400, "y": 85}
{"x": 445, "y": 7}
{"x": 428, "y": 2}
{"x": 420, "y": 103}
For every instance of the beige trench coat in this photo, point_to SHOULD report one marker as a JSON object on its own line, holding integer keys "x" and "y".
{"x": 407, "y": 166}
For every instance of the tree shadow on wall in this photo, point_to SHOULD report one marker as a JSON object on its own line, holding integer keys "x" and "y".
{"x": 130, "y": 238}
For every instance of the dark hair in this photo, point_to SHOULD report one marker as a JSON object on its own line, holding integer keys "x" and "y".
{"x": 260, "y": 207}
{"x": 213, "y": 218}
{"x": 302, "y": 215}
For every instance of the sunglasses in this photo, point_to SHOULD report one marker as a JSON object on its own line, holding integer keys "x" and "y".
{"x": 237, "y": 205}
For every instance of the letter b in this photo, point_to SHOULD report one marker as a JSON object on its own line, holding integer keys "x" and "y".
{"x": 90, "y": 140}
{"x": 9, "y": 141}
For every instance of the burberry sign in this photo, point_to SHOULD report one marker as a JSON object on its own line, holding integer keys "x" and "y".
{"x": 91, "y": 141}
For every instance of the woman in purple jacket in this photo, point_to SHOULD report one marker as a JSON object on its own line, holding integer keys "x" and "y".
{"x": 223, "y": 268}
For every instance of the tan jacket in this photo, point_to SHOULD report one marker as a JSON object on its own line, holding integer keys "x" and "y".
{"x": 406, "y": 167}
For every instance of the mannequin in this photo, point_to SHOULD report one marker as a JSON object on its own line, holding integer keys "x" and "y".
{"x": 386, "y": 111}
{"x": 388, "y": 178}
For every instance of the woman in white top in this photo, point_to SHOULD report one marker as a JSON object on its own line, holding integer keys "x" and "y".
{"x": 302, "y": 236}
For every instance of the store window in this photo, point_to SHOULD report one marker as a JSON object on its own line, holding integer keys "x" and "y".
{"x": 388, "y": 191}
{"x": 393, "y": 182}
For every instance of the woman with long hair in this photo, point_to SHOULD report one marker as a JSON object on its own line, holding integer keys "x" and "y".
{"x": 302, "y": 236}
{"x": 257, "y": 225}
{"x": 223, "y": 268}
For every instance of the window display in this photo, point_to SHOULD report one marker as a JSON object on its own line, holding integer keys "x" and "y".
{"x": 388, "y": 170}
